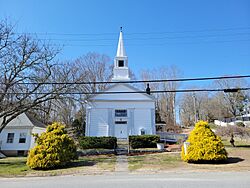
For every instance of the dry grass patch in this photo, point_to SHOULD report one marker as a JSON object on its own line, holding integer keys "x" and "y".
{"x": 154, "y": 162}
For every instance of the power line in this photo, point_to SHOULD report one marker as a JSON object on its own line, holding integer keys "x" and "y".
{"x": 138, "y": 81}
{"x": 157, "y": 44}
{"x": 138, "y": 33}
{"x": 144, "y": 38}
{"x": 130, "y": 92}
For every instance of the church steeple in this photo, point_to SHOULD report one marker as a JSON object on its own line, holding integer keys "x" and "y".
{"x": 120, "y": 49}
{"x": 120, "y": 71}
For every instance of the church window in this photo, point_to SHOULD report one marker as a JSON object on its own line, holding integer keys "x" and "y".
{"x": 143, "y": 132}
{"x": 120, "y": 113}
{"x": 120, "y": 63}
{"x": 120, "y": 122}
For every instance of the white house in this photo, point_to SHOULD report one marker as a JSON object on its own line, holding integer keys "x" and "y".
{"x": 16, "y": 138}
{"x": 120, "y": 114}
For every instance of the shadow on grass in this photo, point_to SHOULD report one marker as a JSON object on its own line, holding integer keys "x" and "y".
{"x": 12, "y": 162}
{"x": 230, "y": 160}
{"x": 72, "y": 164}
{"x": 242, "y": 146}
{"x": 81, "y": 163}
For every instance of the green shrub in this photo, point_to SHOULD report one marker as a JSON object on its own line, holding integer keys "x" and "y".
{"x": 93, "y": 142}
{"x": 54, "y": 148}
{"x": 204, "y": 145}
{"x": 240, "y": 124}
{"x": 143, "y": 141}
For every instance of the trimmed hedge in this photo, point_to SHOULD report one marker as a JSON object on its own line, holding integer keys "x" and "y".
{"x": 94, "y": 142}
{"x": 144, "y": 141}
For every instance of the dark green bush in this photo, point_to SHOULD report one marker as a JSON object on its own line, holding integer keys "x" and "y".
{"x": 144, "y": 141}
{"x": 93, "y": 142}
{"x": 240, "y": 124}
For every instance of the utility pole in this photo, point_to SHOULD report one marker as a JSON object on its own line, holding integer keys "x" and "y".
{"x": 195, "y": 111}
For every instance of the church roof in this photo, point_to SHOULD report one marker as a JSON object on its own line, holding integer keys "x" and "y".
{"x": 120, "y": 49}
{"x": 122, "y": 87}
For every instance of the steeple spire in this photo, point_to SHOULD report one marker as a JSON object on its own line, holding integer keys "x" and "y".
{"x": 120, "y": 71}
{"x": 120, "y": 49}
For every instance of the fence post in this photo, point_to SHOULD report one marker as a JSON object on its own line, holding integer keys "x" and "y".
{"x": 186, "y": 144}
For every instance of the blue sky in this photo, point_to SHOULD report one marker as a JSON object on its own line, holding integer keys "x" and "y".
{"x": 202, "y": 38}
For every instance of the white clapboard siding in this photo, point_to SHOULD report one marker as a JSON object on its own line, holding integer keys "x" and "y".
{"x": 142, "y": 120}
{"x": 99, "y": 123}
{"x": 101, "y": 117}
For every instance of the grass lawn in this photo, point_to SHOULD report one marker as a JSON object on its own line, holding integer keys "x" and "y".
{"x": 16, "y": 166}
{"x": 159, "y": 161}
{"x": 242, "y": 143}
{"x": 13, "y": 166}
{"x": 238, "y": 160}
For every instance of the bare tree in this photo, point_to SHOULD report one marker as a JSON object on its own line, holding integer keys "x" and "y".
{"x": 25, "y": 66}
{"x": 195, "y": 106}
{"x": 165, "y": 102}
{"x": 211, "y": 106}
{"x": 234, "y": 101}
{"x": 92, "y": 67}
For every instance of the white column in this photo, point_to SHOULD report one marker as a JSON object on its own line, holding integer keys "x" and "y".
{"x": 88, "y": 120}
{"x": 110, "y": 122}
{"x": 153, "y": 121}
{"x": 131, "y": 122}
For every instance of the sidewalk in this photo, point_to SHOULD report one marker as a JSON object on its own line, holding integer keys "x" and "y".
{"x": 121, "y": 164}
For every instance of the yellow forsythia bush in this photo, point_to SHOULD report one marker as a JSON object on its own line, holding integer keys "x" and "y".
{"x": 53, "y": 148}
{"x": 204, "y": 145}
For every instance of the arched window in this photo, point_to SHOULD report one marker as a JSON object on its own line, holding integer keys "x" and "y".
{"x": 143, "y": 132}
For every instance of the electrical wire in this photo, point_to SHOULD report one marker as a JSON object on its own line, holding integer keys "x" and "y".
{"x": 138, "y": 33}
{"x": 138, "y": 81}
{"x": 129, "y": 92}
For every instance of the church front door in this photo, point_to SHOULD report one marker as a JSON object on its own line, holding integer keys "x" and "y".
{"x": 121, "y": 131}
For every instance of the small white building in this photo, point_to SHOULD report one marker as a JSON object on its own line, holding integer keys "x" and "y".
{"x": 16, "y": 138}
{"x": 120, "y": 114}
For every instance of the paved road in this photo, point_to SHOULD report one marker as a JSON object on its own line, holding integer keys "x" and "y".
{"x": 172, "y": 180}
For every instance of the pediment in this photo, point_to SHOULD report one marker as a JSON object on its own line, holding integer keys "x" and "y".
{"x": 120, "y": 87}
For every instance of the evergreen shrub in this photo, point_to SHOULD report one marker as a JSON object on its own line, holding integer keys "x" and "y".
{"x": 143, "y": 141}
{"x": 204, "y": 146}
{"x": 93, "y": 142}
{"x": 54, "y": 148}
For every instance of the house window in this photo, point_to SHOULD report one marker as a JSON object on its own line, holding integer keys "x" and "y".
{"x": 22, "y": 138}
{"x": 120, "y": 63}
{"x": 10, "y": 137}
{"x": 120, "y": 113}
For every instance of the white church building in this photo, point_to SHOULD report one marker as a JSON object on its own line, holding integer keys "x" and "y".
{"x": 120, "y": 114}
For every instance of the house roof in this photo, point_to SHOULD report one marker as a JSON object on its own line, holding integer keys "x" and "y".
{"x": 34, "y": 121}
